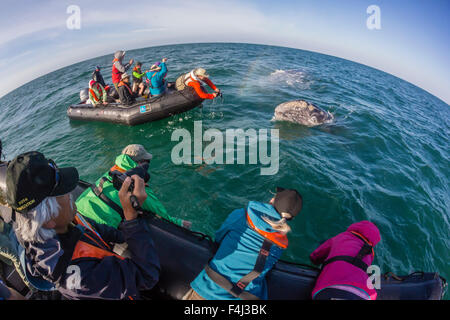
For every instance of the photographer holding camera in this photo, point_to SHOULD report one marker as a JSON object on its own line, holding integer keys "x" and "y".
{"x": 134, "y": 159}
{"x": 77, "y": 258}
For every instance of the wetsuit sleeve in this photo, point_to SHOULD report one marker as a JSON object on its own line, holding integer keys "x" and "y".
{"x": 228, "y": 224}
{"x": 199, "y": 90}
{"x": 210, "y": 84}
{"x": 153, "y": 204}
{"x": 114, "y": 277}
{"x": 321, "y": 253}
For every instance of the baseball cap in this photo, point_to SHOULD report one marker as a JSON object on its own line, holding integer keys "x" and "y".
{"x": 288, "y": 201}
{"x": 137, "y": 152}
{"x": 30, "y": 178}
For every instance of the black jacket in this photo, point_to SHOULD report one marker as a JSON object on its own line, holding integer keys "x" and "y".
{"x": 125, "y": 94}
{"x": 97, "y": 273}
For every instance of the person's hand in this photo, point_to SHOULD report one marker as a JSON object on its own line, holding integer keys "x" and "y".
{"x": 105, "y": 103}
{"x": 215, "y": 94}
{"x": 217, "y": 90}
{"x": 187, "y": 224}
{"x": 164, "y": 60}
{"x": 124, "y": 196}
{"x": 131, "y": 61}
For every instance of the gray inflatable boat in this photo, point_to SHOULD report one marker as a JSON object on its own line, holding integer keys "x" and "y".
{"x": 144, "y": 110}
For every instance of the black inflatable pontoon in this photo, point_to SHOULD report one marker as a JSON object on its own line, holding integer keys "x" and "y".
{"x": 183, "y": 254}
{"x": 172, "y": 102}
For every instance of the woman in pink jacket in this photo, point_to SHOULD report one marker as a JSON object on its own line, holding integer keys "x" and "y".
{"x": 345, "y": 259}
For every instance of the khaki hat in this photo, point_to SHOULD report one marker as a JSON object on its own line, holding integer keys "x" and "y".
{"x": 201, "y": 72}
{"x": 137, "y": 152}
{"x": 125, "y": 75}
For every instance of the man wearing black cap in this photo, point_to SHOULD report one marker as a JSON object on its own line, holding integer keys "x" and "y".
{"x": 77, "y": 259}
{"x": 250, "y": 242}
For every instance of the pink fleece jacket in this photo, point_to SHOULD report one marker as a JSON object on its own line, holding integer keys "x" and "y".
{"x": 341, "y": 272}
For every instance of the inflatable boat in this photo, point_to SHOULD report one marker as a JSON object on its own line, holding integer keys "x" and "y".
{"x": 144, "y": 110}
{"x": 184, "y": 253}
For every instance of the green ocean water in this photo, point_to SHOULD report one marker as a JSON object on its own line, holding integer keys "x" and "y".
{"x": 385, "y": 158}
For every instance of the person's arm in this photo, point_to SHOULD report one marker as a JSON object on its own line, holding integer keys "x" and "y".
{"x": 162, "y": 73}
{"x": 153, "y": 204}
{"x": 227, "y": 225}
{"x": 115, "y": 277}
{"x": 137, "y": 74}
{"x": 198, "y": 89}
{"x": 109, "y": 234}
{"x": 105, "y": 95}
{"x": 210, "y": 84}
{"x": 321, "y": 253}
{"x": 92, "y": 97}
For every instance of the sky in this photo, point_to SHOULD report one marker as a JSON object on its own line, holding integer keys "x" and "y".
{"x": 412, "y": 42}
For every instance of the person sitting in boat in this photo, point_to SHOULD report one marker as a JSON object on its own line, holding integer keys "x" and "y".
{"x": 126, "y": 95}
{"x": 68, "y": 251}
{"x": 84, "y": 96}
{"x": 97, "y": 94}
{"x": 156, "y": 76}
{"x": 137, "y": 79}
{"x": 195, "y": 79}
{"x": 97, "y": 76}
{"x": 250, "y": 242}
{"x": 118, "y": 68}
{"x": 89, "y": 202}
{"x": 345, "y": 259}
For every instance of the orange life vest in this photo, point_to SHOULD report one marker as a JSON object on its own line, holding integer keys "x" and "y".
{"x": 276, "y": 237}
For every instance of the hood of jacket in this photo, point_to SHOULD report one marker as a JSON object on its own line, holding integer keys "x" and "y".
{"x": 368, "y": 230}
{"x": 125, "y": 162}
{"x": 119, "y": 55}
{"x": 256, "y": 210}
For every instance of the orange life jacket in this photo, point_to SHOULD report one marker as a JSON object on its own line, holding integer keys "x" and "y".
{"x": 276, "y": 237}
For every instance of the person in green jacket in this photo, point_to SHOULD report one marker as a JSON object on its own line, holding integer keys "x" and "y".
{"x": 137, "y": 79}
{"x": 91, "y": 206}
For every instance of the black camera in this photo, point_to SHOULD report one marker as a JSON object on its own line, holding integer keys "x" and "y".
{"x": 118, "y": 177}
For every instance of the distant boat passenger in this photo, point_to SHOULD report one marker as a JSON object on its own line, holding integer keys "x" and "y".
{"x": 125, "y": 93}
{"x": 156, "y": 75}
{"x": 97, "y": 93}
{"x": 118, "y": 68}
{"x": 194, "y": 79}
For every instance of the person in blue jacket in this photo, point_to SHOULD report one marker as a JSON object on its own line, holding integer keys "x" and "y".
{"x": 156, "y": 76}
{"x": 250, "y": 242}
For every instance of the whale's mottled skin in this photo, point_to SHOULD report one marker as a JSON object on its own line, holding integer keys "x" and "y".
{"x": 301, "y": 112}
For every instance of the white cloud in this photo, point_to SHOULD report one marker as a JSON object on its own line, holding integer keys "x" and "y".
{"x": 108, "y": 26}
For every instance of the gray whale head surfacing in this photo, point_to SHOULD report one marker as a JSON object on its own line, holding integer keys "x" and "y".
{"x": 301, "y": 112}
